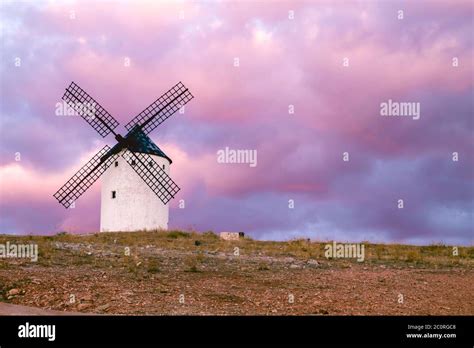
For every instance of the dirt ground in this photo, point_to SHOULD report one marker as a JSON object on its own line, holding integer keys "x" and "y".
{"x": 194, "y": 274}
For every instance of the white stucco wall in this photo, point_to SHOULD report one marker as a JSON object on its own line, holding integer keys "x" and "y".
{"x": 136, "y": 207}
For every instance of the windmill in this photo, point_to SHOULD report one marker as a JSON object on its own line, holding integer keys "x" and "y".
{"x": 128, "y": 202}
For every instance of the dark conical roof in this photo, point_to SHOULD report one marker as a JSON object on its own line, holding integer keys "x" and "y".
{"x": 140, "y": 142}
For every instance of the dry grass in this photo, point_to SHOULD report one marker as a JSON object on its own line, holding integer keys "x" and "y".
{"x": 433, "y": 255}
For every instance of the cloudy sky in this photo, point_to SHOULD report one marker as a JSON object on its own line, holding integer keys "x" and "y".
{"x": 334, "y": 62}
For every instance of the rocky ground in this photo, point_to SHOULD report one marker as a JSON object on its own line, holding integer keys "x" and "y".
{"x": 175, "y": 273}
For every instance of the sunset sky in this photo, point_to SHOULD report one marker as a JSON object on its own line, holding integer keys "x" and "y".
{"x": 290, "y": 53}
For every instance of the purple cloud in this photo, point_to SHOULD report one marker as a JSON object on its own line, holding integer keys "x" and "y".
{"x": 283, "y": 62}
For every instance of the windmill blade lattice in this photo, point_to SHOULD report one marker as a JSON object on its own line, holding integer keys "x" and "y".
{"x": 84, "y": 178}
{"x": 161, "y": 109}
{"x": 152, "y": 174}
{"x": 90, "y": 110}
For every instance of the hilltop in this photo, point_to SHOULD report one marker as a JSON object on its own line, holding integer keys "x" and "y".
{"x": 176, "y": 272}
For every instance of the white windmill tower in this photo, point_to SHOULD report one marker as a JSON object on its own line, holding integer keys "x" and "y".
{"x": 129, "y": 202}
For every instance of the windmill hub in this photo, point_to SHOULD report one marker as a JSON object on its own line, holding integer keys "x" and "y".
{"x": 127, "y": 142}
{"x": 120, "y": 139}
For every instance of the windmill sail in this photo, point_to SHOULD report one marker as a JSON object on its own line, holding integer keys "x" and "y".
{"x": 161, "y": 109}
{"x": 84, "y": 178}
{"x": 152, "y": 174}
{"x": 90, "y": 110}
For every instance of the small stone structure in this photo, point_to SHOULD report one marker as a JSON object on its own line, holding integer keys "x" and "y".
{"x": 231, "y": 235}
